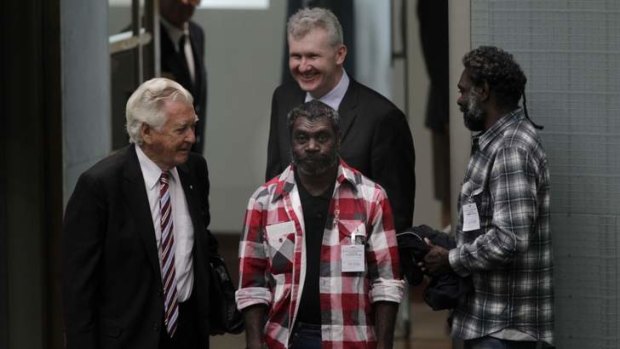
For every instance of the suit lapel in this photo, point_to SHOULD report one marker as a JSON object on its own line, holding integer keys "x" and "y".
{"x": 348, "y": 109}
{"x": 197, "y": 49}
{"x": 138, "y": 203}
{"x": 299, "y": 97}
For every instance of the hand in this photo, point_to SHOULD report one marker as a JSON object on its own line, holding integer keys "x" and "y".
{"x": 436, "y": 260}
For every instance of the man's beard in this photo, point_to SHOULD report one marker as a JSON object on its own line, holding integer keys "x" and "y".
{"x": 474, "y": 116}
{"x": 316, "y": 164}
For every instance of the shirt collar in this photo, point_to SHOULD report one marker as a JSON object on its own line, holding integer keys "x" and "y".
{"x": 151, "y": 172}
{"x": 175, "y": 33}
{"x": 485, "y": 138}
{"x": 334, "y": 97}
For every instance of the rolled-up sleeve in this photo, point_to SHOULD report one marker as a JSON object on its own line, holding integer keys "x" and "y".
{"x": 253, "y": 259}
{"x": 383, "y": 260}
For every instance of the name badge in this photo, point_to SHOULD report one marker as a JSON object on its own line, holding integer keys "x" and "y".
{"x": 353, "y": 258}
{"x": 471, "y": 219}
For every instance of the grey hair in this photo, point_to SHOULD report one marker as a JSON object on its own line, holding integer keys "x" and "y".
{"x": 307, "y": 19}
{"x": 145, "y": 106}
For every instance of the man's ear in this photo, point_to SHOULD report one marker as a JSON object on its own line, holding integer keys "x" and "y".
{"x": 146, "y": 133}
{"x": 484, "y": 92}
{"x": 341, "y": 54}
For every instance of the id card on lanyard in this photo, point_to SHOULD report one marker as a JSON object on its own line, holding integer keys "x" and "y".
{"x": 353, "y": 254}
{"x": 471, "y": 218}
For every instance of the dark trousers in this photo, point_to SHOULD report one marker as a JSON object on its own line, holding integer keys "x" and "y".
{"x": 186, "y": 335}
{"x": 496, "y": 343}
{"x": 306, "y": 336}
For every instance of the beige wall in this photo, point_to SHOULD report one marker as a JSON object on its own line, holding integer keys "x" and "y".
{"x": 460, "y": 137}
{"x": 243, "y": 58}
{"x": 427, "y": 208}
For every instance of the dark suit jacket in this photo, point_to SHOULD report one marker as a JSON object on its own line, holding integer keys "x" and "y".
{"x": 174, "y": 66}
{"x": 112, "y": 289}
{"x": 375, "y": 139}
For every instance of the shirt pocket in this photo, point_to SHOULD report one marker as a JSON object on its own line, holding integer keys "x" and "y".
{"x": 280, "y": 240}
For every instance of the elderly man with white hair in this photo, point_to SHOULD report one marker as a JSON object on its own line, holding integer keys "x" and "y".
{"x": 135, "y": 238}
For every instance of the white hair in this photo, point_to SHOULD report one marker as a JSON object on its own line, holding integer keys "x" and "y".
{"x": 145, "y": 106}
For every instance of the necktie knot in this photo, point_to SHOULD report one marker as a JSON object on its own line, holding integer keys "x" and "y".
{"x": 164, "y": 178}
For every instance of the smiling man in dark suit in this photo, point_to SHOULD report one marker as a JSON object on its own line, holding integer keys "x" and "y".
{"x": 375, "y": 135}
{"x": 182, "y": 56}
{"x": 135, "y": 238}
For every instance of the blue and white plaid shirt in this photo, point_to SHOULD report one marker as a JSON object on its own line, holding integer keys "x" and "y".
{"x": 509, "y": 258}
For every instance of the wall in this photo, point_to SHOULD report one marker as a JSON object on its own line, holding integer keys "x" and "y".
{"x": 243, "y": 58}
{"x": 460, "y": 137}
{"x": 569, "y": 49}
{"x": 427, "y": 208}
{"x": 85, "y": 73}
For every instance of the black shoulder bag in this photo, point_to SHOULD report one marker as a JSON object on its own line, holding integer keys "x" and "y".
{"x": 224, "y": 315}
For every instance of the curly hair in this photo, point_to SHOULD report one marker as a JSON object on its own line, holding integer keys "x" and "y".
{"x": 497, "y": 68}
{"x": 314, "y": 110}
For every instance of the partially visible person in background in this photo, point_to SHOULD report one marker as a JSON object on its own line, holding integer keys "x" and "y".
{"x": 182, "y": 56}
{"x": 344, "y": 10}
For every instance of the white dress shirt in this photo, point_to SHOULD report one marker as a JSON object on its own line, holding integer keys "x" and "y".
{"x": 334, "y": 97}
{"x": 183, "y": 228}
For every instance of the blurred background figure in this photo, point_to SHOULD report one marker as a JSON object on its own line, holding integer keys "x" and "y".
{"x": 433, "y": 17}
{"x": 182, "y": 56}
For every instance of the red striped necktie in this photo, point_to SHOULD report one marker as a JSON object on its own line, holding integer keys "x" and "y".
{"x": 169, "y": 282}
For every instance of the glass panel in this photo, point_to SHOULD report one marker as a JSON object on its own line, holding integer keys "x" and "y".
{"x": 131, "y": 59}
{"x": 119, "y": 16}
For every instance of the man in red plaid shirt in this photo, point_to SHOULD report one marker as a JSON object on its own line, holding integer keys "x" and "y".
{"x": 319, "y": 262}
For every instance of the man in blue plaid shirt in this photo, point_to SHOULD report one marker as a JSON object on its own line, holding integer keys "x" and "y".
{"x": 503, "y": 236}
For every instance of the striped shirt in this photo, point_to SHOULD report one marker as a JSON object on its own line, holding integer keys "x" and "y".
{"x": 510, "y": 256}
{"x": 272, "y": 259}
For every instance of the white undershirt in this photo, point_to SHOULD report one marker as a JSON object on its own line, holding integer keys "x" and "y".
{"x": 183, "y": 228}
